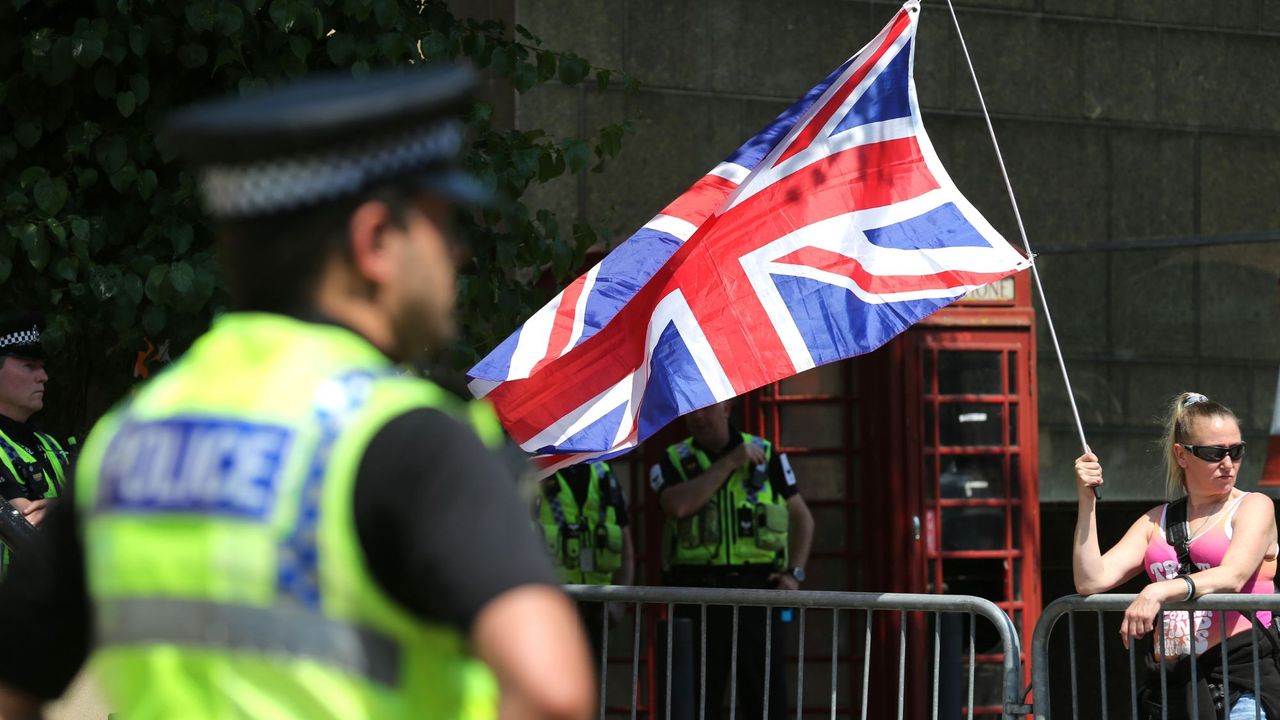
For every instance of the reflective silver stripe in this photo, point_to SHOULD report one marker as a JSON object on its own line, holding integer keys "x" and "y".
{"x": 281, "y": 631}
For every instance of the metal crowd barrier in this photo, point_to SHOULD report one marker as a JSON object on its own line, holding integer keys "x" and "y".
{"x": 1042, "y": 680}
{"x": 804, "y": 603}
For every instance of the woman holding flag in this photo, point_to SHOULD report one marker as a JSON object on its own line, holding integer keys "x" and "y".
{"x": 1211, "y": 538}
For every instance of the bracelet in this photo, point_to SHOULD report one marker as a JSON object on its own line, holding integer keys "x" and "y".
{"x": 1191, "y": 587}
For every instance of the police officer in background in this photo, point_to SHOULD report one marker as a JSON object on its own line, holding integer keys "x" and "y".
{"x": 282, "y": 525}
{"x": 33, "y": 465}
{"x": 582, "y": 516}
{"x": 735, "y": 519}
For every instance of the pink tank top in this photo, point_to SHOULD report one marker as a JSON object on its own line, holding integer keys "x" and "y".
{"x": 1207, "y": 550}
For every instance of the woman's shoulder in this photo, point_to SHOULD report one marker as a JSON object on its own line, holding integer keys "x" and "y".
{"x": 1155, "y": 515}
{"x": 1152, "y": 519}
{"x": 1256, "y": 502}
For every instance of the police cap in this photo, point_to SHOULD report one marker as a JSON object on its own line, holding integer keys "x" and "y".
{"x": 328, "y": 137}
{"x": 20, "y": 335}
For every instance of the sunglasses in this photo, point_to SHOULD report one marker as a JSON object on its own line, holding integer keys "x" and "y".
{"x": 1213, "y": 453}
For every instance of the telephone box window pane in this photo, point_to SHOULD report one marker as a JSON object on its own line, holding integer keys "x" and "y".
{"x": 1013, "y": 425}
{"x": 822, "y": 380}
{"x": 1015, "y": 476}
{"x": 926, "y": 374}
{"x": 928, "y": 424}
{"x": 830, "y": 529}
{"x": 983, "y": 577}
{"x": 823, "y": 477}
{"x": 972, "y": 528}
{"x": 930, "y": 476}
{"x": 969, "y": 424}
{"x": 1013, "y": 372}
{"x": 971, "y": 477}
{"x": 966, "y": 372}
{"x": 812, "y": 425}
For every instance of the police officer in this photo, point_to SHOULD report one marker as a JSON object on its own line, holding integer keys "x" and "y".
{"x": 582, "y": 517}
{"x": 282, "y": 524}
{"x": 33, "y": 465}
{"x": 734, "y": 520}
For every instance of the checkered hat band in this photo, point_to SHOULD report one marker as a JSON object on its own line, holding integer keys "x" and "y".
{"x": 280, "y": 184}
{"x": 22, "y": 337}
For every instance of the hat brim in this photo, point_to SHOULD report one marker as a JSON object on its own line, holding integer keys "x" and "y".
{"x": 455, "y": 185}
{"x": 26, "y": 352}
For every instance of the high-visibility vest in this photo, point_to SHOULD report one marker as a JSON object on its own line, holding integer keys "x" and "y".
{"x": 744, "y": 523}
{"x": 224, "y": 568}
{"x": 585, "y": 543}
{"x": 22, "y": 465}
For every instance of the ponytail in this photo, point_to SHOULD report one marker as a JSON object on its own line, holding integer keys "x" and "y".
{"x": 1186, "y": 408}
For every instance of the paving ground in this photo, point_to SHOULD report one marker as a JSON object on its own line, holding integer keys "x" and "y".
{"x": 82, "y": 702}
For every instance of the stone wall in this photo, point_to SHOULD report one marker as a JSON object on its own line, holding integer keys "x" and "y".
{"x": 1124, "y": 124}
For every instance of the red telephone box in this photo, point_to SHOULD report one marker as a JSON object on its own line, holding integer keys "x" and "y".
{"x": 919, "y": 462}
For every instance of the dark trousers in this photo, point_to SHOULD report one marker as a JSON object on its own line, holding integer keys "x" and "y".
{"x": 753, "y": 630}
{"x": 592, "y": 617}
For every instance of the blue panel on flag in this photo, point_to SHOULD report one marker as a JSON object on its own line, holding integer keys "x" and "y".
{"x": 598, "y": 434}
{"x": 941, "y": 227}
{"x": 194, "y": 465}
{"x": 887, "y": 98}
{"x": 623, "y": 272}
{"x": 753, "y": 151}
{"x": 675, "y": 384}
{"x": 835, "y": 324}
{"x": 497, "y": 364}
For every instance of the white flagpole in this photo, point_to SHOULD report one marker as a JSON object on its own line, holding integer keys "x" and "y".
{"x": 1035, "y": 274}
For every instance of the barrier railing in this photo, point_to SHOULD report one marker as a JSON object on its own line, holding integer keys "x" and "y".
{"x": 1098, "y": 606}
{"x": 805, "y": 602}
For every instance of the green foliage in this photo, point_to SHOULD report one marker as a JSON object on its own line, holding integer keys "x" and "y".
{"x": 101, "y": 229}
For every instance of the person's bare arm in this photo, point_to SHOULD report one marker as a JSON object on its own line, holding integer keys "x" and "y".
{"x": 1253, "y": 532}
{"x": 799, "y": 540}
{"x": 626, "y": 575}
{"x": 684, "y": 499}
{"x": 1095, "y": 572}
{"x": 532, "y": 640}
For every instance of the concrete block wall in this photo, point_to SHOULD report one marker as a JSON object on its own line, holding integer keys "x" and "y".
{"x": 1121, "y": 121}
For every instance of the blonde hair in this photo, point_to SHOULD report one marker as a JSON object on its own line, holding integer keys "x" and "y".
{"x": 1185, "y": 409}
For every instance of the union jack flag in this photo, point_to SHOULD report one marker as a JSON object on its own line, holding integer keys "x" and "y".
{"x": 822, "y": 237}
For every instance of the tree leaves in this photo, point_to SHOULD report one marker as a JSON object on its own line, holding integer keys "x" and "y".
{"x": 341, "y": 49}
{"x": 50, "y": 195}
{"x": 126, "y": 103}
{"x": 102, "y": 228}
{"x": 35, "y": 245}
{"x": 573, "y": 69}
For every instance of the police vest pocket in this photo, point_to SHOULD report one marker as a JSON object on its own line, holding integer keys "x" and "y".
{"x": 771, "y": 526}
{"x": 572, "y": 549}
{"x": 700, "y": 530}
{"x": 608, "y": 548}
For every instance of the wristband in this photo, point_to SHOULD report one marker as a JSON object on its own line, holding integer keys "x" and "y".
{"x": 1191, "y": 587}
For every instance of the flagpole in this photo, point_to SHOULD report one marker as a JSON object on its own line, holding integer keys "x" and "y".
{"x": 1022, "y": 231}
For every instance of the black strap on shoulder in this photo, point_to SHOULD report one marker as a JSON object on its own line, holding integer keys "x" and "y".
{"x": 1178, "y": 535}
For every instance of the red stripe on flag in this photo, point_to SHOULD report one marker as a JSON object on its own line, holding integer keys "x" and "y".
{"x": 838, "y": 264}
{"x": 737, "y": 326}
{"x": 701, "y": 199}
{"x": 707, "y": 270}
{"x": 562, "y": 325}
{"x": 829, "y": 107}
